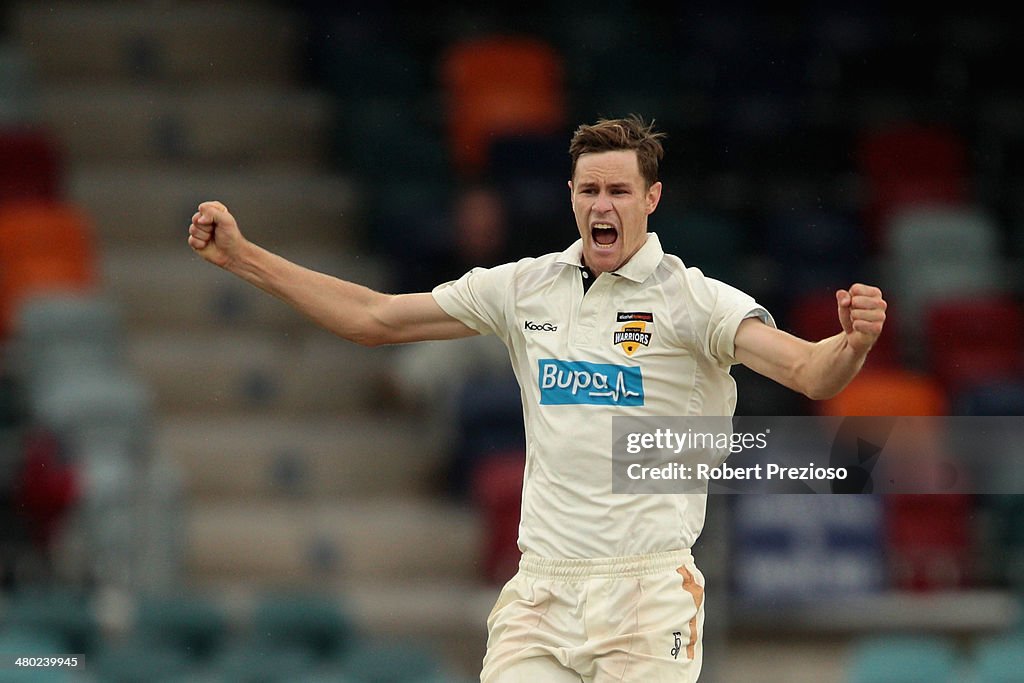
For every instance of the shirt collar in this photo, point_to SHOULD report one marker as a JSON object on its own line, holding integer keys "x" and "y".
{"x": 638, "y": 268}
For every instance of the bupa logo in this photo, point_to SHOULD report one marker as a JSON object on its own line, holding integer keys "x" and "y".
{"x": 539, "y": 327}
{"x": 566, "y": 382}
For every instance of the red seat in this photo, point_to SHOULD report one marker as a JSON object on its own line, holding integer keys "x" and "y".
{"x": 928, "y": 536}
{"x": 499, "y": 86}
{"x": 929, "y": 540}
{"x": 30, "y": 165}
{"x": 497, "y": 488}
{"x": 910, "y": 164}
{"x": 971, "y": 341}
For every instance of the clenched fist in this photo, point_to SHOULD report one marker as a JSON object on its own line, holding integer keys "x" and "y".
{"x": 214, "y": 234}
{"x": 862, "y": 315}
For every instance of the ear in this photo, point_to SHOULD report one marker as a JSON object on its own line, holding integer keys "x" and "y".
{"x": 653, "y": 197}
{"x": 569, "y": 183}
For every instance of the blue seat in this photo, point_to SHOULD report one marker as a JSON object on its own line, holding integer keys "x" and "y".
{"x": 1002, "y": 397}
{"x": 904, "y": 659}
{"x": 999, "y": 660}
{"x": 816, "y": 250}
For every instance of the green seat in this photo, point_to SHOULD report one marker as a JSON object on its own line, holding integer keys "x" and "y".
{"x": 263, "y": 660}
{"x": 702, "y": 239}
{"x": 391, "y": 662}
{"x": 192, "y": 624}
{"x": 904, "y": 659}
{"x": 140, "y": 661}
{"x": 60, "y": 613}
{"x": 315, "y": 623}
{"x": 999, "y": 660}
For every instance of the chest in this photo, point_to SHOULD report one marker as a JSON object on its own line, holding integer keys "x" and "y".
{"x": 615, "y": 321}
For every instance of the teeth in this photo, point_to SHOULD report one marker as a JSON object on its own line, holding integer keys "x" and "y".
{"x": 603, "y": 226}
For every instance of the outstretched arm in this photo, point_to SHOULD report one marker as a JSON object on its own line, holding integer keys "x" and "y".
{"x": 350, "y": 311}
{"x": 820, "y": 369}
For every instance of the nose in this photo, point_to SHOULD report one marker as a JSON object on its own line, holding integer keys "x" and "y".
{"x": 603, "y": 204}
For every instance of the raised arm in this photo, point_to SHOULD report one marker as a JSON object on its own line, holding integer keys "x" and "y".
{"x": 820, "y": 369}
{"x": 349, "y": 310}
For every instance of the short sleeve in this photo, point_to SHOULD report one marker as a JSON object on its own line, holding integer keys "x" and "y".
{"x": 716, "y": 311}
{"x": 477, "y": 299}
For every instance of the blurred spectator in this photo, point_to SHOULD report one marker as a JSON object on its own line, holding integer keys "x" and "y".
{"x": 476, "y": 235}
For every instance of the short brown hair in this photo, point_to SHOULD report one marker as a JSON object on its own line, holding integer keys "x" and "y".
{"x": 608, "y": 135}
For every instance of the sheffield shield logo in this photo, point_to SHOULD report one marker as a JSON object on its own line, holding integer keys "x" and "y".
{"x": 632, "y": 336}
{"x": 566, "y": 382}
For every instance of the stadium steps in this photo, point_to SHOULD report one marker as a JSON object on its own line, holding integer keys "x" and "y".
{"x": 301, "y": 542}
{"x": 292, "y": 476}
{"x": 281, "y": 206}
{"x": 116, "y": 41}
{"x": 223, "y": 370}
{"x": 171, "y": 288}
{"x": 229, "y": 124}
{"x": 313, "y": 458}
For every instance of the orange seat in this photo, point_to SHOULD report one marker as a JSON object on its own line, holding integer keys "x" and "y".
{"x": 47, "y": 246}
{"x": 892, "y": 392}
{"x": 499, "y": 86}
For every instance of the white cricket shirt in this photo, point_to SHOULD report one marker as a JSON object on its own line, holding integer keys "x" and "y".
{"x": 654, "y": 338}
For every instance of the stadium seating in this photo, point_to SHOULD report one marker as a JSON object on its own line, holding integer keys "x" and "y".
{"x": 497, "y": 491}
{"x": 974, "y": 341}
{"x": 496, "y": 86}
{"x": 904, "y": 659}
{"x": 907, "y": 164}
{"x": 62, "y": 616}
{"x": 134, "y": 660}
{"x": 47, "y": 247}
{"x": 261, "y": 660}
{"x": 31, "y": 165}
{"x": 932, "y": 253}
{"x": 702, "y": 239}
{"x": 61, "y": 333}
{"x": 306, "y": 621}
{"x": 923, "y": 554}
{"x": 997, "y": 397}
{"x": 193, "y": 624}
{"x": 383, "y": 661}
{"x": 888, "y": 391}
{"x": 999, "y": 660}
{"x": 813, "y": 315}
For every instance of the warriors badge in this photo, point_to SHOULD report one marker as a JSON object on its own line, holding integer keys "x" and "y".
{"x": 632, "y": 336}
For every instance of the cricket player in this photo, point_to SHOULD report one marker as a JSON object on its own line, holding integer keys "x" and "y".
{"x": 607, "y": 589}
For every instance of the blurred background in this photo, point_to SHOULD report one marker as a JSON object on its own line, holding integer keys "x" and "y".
{"x": 196, "y": 484}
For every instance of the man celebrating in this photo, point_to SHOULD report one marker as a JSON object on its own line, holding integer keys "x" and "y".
{"x": 607, "y": 589}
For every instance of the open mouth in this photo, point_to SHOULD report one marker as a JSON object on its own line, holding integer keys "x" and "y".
{"x": 604, "y": 234}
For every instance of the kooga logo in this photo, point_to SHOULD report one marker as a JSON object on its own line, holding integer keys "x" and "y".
{"x": 539, "y": 327}
{"x": 567, "y": 382}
